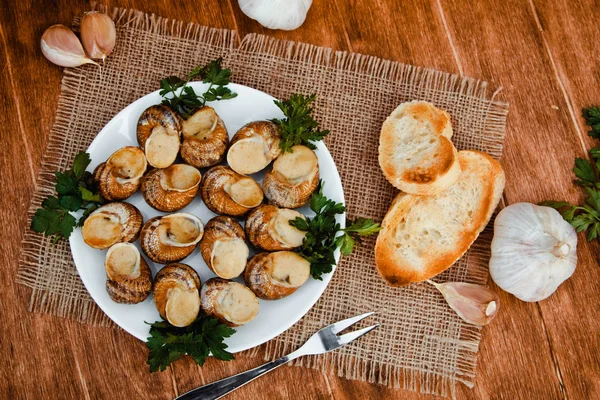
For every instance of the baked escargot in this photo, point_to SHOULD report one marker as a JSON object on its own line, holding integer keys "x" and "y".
{"x": 172, "y": 188}
{"x": 294, "y": 178}
{"x": 272, "y": 276}
{"x": 119, "y": 177}
{"x": 205, "y": 138}
{"x": 231, "y": 302}
{"x": 176, "y": 294}
{"x": 268, "y": 227}
{"x": 158, "y": 132}
{"x": 171, "y": 238}
{"x": 226, "y": 192}
{"x": 253, "y": 147}
{"x": 224, "y": 248}
{"x": 129, "y": 279}
{"x": 112, "y": 223}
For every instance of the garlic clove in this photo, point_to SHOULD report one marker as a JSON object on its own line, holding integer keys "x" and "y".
{"x": 475, "y": 304}
{"x": 534, "y": 250}
{"x": 61, "y": 47}
{"x": 277, "y": 14}
{"x": 98, "y": 34}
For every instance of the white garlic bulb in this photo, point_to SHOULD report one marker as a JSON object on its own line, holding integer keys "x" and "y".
{"x": 534, "y": 250}
{"x": 277, "y": 14}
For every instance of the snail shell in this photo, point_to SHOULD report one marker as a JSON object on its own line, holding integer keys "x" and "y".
{"x": 129, "y": 279}
{"x": 268, "y": 227}
{"x": 272, "y": 276}
{"x": 172, "y": 188}
{"x": 171, "y": 238}
{"x": 119, "y": 177}
{"x": 205, "y": 138}
{"x": 224, "y": 248}
{"x": 176, "y": 294}
{"x": 294, "y": 178}
{"x": 231, "y": 302}
{"x": 112, "y": 223}
{"x": 158, "y": 132}
{"x": 226, "y": 192}
{"x": 253, "y": 147}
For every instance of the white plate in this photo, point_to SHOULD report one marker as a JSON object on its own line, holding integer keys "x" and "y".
{"x": 274, "y": 316}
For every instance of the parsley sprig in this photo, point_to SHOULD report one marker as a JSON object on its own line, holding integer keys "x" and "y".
{"x": 183, "y": 99}
{"x": 204, "y": 336}
{"x": 298, "y": 126}
{"x": 592, "y": 118}
{"x": 75, "y": 191}
{"x": 321, "y": 238}
{"x": 585, "y": 217}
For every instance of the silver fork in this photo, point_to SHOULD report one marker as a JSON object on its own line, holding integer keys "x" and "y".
{"x": 325, "y": 340}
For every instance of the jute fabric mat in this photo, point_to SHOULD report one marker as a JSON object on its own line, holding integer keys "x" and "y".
{"x": 421, "y": 345}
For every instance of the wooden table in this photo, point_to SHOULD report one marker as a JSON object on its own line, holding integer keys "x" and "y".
{"x": 545, "y": 53}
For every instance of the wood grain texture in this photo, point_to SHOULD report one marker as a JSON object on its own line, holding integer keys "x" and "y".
{"x": 542, "y": 52}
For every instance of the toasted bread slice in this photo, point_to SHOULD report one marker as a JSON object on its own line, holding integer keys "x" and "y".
{"x": 415, "y": 151}
{"x": 423, "y": 236}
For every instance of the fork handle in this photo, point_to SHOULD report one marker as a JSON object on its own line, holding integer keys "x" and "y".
{"x": 220, "y": 388}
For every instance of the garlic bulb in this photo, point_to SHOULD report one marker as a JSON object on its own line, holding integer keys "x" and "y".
{"x": 534, "y": 250}
{"x": 61, "y": 47}
{"x": 475, "y": 304}
{"x": 277, "y": 14}
{"x": 98, "y": 34}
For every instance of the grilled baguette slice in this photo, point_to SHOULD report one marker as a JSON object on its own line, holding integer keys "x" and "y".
{"x": 415, "y": 151}
{"x": 423, "y": 236}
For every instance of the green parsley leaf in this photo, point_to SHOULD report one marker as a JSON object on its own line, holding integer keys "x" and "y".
{"x": 182, "y": 98}
{"x": 203, "y": 337}
{"x": 71, "y": 202}
{"x": 80, "y": 163}
{"x": 73, "y": 189}
{"x": 321, "y": 240}
{"x": 592, "y": 118}
{"x": 584, "y": 171}
{"x": 298, "y": 126}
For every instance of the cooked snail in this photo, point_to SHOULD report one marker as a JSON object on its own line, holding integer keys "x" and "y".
{"x": 272, "y": 276}
{"x": 129, "y": 279}
{"x": 253, "y": 147}
{"x": 158, "y": 131}
{"x": 171, "y": 188}
{"x": 112, "y": 223}
{"x": 119, "y": 177}
{"x": 268, "y": 227}
{"x": 224, "y": 248}
{"x": 294, "y": 178}
{"x": 176, "y": 294}
{"x": 231, "y": 302}
{"x": 171, "y": 238}
{"x": 205, "y": 138}
{"x": 226, "y": 192}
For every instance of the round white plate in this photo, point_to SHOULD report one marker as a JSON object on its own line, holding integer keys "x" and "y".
{"x": 274, "y": 316}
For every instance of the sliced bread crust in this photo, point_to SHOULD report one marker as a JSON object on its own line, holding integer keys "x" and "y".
{"x": 415, "y": 151}
{"x": 423, "y": 236}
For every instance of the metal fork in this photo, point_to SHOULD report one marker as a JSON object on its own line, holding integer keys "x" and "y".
{"x": 325, "y": 340}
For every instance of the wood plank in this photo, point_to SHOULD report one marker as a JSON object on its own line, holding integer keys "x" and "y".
{"x": 569, "y": 29}
{"x": 539, "y": 150}
{"x": 51, "y": 357}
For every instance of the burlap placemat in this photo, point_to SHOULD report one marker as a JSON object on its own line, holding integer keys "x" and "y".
{"x": 421, "y": 344}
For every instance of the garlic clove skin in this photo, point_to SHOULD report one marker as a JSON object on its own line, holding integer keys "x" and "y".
{"x": 534, "y": 250}
{"x": 277, "y": 14}
{"x": 61, "y": 47}
{"x": 475, "y": 304}
{"x": 98, "y": 34}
